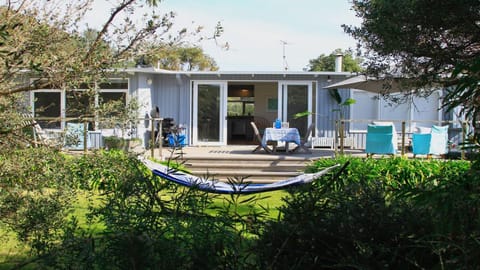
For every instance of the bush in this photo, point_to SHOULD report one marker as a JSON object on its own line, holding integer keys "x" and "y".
{"x": 36, "y": 194}
{"x": 150, "y": 223}
{"x": 379, "y": 214}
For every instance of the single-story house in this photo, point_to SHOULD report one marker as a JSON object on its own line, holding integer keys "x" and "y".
{"x": 216, "y": 107}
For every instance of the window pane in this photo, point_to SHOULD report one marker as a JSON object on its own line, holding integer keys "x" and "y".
{"x": 114, "y": 84}
{"x": 47, "y": 104}
{"x": 297, "y": 96}
{"x": 78, "y": 104}
{"x": 105, "y": 97}
{"x": 249, "y": 109}
{"x": 208, "y": 113}
{"x": 235, "y": 108}
{"x": 111, "y": 103}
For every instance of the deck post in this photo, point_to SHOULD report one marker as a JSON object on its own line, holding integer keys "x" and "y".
{"x": 85, "y": 135}
{"x": 160, "y": 139}
{"x": 464, "y": 138}
{"x": 335, "y": 137}
{"x": 152, "y": 138}
{"x": 342, "y": 136}
{"x": 403, "y": 138}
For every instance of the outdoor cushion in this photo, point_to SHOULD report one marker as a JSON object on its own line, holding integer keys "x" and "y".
{"x": 74, "y": 136}
{"x": 435, "y": 142}
{"x": 381, "y": 140}
{"x": 423, "y": 130}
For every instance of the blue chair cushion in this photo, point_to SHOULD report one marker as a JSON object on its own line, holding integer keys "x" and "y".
{"x": 380, "y": 140}
{"x": 421, "y": 143}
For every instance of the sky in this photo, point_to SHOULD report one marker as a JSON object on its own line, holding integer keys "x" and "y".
{"x": 259, "y": 31}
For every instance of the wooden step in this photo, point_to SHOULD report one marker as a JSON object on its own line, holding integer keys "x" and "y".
{"x": 258, "y": 170}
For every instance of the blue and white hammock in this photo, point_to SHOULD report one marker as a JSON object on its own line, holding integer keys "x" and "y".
{"x": 215, "y": 186}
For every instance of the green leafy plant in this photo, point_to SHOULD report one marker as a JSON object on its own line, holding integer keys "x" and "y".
{"x": 385, "y": 213}
{"x": 342, "y": 105}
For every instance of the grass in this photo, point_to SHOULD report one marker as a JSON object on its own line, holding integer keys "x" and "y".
{"x": 268, "y": 200}
{"x": 13, "y": 251}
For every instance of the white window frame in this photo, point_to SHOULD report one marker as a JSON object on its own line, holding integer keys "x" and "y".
{"x": 222, "y": 117}
{"x": 62, "y": 104}
{"x": 63, "y": 98}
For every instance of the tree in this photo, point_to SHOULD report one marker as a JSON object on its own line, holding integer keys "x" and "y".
{"x": 182, "y": 57}
{"x": 327, "y": 62}
{"x": 46, "y": 39}
{"x": 43, "y": 45}
{"x": 435, "y": 43}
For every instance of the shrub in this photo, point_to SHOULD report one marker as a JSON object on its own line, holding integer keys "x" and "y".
{"x": 36, "y": 194}
{"x": 150, "y": 223}
{"x": 379, "y": 214}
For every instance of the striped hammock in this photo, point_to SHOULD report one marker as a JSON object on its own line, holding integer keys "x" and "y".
{"x": 215, "y": 186}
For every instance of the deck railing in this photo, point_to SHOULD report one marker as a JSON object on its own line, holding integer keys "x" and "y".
{"x": 342, "y": 132}
{"x": 96, "y": 129}
{"x": 102, "y": 128}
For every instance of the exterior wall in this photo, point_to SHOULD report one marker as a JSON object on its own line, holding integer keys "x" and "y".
{"x": 264, "y": 91}
{"x": 325, "y": 110}
{"x": 172, "y": 94}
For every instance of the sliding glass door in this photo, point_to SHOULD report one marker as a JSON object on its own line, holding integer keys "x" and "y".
{"x": 209, "y": 113}
{"x": 295, "y": 97}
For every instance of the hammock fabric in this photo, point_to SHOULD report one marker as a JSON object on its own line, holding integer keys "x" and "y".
{"x": 215, "y": 186}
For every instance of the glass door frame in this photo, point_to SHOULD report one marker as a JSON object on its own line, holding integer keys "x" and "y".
{"x": 222, "y": 114}
{"x": 283, "y": 99}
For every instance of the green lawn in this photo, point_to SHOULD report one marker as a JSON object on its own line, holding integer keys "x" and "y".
{"x": 12, "y": 251}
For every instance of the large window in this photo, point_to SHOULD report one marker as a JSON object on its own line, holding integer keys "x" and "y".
{"x": 78, "y": 103}
{"x": 75, "y": 103}
{"x": 48, "y": 106}
{"x": 371, "y": 106}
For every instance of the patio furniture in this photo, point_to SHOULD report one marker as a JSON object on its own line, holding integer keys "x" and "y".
{"x": 75, "y": 136}
{"x": 262, "y": 123}
{"x": 304, "y": 140}
{"x": 214, "y": 186}
{"x": 285, "y": 135}
{"x": 40, "y": 136}
{"x": 430, "y": 141}
{"x": 261, "y": 145}
{"x": 381, "y": 139}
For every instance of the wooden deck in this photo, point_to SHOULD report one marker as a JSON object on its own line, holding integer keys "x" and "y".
{"x": 238, "y": 161}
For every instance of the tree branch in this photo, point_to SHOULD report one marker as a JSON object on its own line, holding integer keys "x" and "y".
{"x": 105, "y": 28}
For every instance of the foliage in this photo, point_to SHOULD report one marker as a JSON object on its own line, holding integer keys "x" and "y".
{"x": 116, "y": 114}
{"x": 379, "y": 214}
{"x": 154, "y": 224}
{"x": 342, "y": 104}
{"x": 46, "y": 45}
{"x": 436, "y": 44}
{"x": 35, "y": 195}
{"x": 14, "y": 131}
{"x": 327, "y": 62}
{"x": 183, "y": 57}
